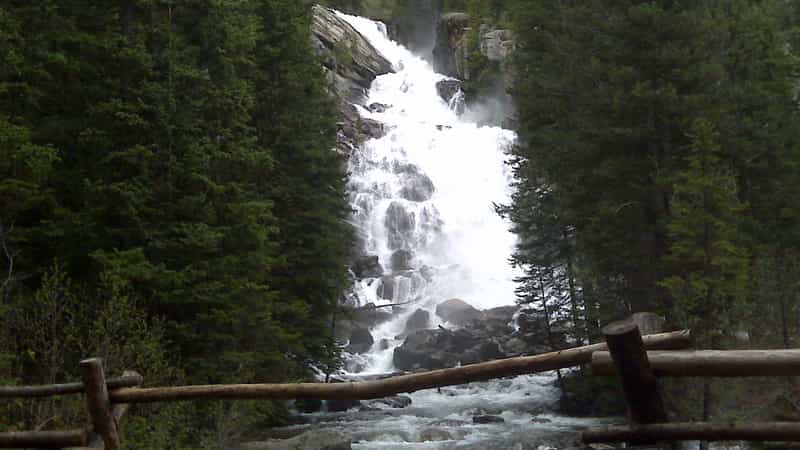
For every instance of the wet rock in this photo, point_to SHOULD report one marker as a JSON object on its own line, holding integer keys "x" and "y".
{"x": 341, "y": 405}
{"x": 448, "y": 88}
{"x": 419, "y": 320}
{"x": 449, "y": 52}
{"x": 378, "y": 107}
{"x": 515, "y": 346}
{"x": 360, "y": 340}
{"x": 449, "y": 423}
{"x": 366, "y": 128}
{"x": 487, "y": 419}
{"x": 308, "y": 405}
{"x": 502, "y": 314}
{"x": 417, "y": 187}
{"x": 399, "y": 224}
{"x": 387, "y": 288}
{"x": 397, "y": 401}
{"x": 367, "y": 267}
{"x": 351, "y": 61}
{"x": 370, "y": 315}
{"x": 383, "y": 344}
{"x": 324, "y": 439}
{"x": 540, "y": 420}
{"x": 457, "y": 312}
{"x": 434, "y": 435}
{"x": 401, "y": 260}
{"x": 440, "y": 348}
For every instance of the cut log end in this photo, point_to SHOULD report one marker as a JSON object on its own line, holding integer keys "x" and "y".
{"x": 620, "y": 328}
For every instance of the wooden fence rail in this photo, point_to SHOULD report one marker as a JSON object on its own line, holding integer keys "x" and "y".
{"x": 107, "y": 400}
{"x": 44, "y": 439}
{"x": 66, "y": 388}
{"x": 395, "y": 385}
{"x": 638, "y": 370}
{"x": 711, "y": 363}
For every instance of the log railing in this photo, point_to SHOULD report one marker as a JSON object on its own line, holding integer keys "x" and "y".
{"x": 638, "y": 360}
{"x": 107, "y": 400}
{"x": 638, "y": 370}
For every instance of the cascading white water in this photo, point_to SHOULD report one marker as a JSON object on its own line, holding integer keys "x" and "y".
{"x": 428, "y": 188}
{"x": 424, "y": 197}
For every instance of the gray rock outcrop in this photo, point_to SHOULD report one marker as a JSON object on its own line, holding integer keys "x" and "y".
{"x": 401, "y": 260}
{"x": 351, "y": 62}
{"x": 457, "y": 312}
{"x": 448, "y": 88}
{"x": 418, "y": 320}
{"x": 367, "y": 267}
{"x": 450, "y": 52}
{"x": 310, "y": 440}
{"x": 399, "y": 224}
{"x": 439, "y": 348}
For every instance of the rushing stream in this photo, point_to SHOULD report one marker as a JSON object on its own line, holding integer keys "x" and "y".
{"x": 423, "y": 198}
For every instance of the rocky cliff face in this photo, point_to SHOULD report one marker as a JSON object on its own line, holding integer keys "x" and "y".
{"x": 455, "y": 42}
{"x": 351, "y": 64}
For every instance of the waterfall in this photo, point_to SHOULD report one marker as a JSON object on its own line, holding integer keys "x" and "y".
{"x": 424, "y": 196}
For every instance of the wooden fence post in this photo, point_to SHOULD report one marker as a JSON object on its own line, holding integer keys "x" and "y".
{"x": 638, "y": 381}
{"x": 97, "y": 401}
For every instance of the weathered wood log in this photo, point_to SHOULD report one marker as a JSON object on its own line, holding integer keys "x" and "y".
{"x": 65, "y": 388}
{"x": 118, "y": 410}
{"x": 695, "y": 431}
{"x": 43, "y": 439}
{"x": 395, "y": 385}
{"x": 638, "y": 381}
{"x": 711, "y": 363}
{"x": 98, "y": 403}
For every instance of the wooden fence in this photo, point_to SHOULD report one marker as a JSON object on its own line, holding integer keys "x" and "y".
{"x": 625, "y": 353}
{"x": 639, "y": 370}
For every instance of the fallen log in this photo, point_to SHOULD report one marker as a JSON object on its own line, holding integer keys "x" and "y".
{"x": 395, "y": 385}
{"x": 65, "y": 388}
{"x": 43, "y": 439}
{"x": 695, "y": 431}
{"x": 711, "y": 363}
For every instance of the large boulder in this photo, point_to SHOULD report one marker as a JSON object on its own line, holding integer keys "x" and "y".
{"x": 370, "y": 315}
{"x": 418, "y": 320}
{"x": 416, "y": 187}
{"x": 360, "y": 340}
{"x": 448, "y": 88}
{"x": 440, "y": 348}
{"x": 311, "y": 440}
{"x": 400, "y": 224}
{"x": 458, "y": 312}
{"x": 357, "y": 336}
{"x": 401, "y": 260}
{"x": 351, "y": 61}
{"x": 367, "y": 266}
{"x": 387, "y": 288}
{"x": 501, "y": 315}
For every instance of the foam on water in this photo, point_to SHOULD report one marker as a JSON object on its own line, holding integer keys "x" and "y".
{"x": 460, "y": 249}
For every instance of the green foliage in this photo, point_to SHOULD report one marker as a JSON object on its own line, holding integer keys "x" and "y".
{"x": 710, "y": 284}
{"x": 177, "y": 158}
{"x": 658, "y": 136}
